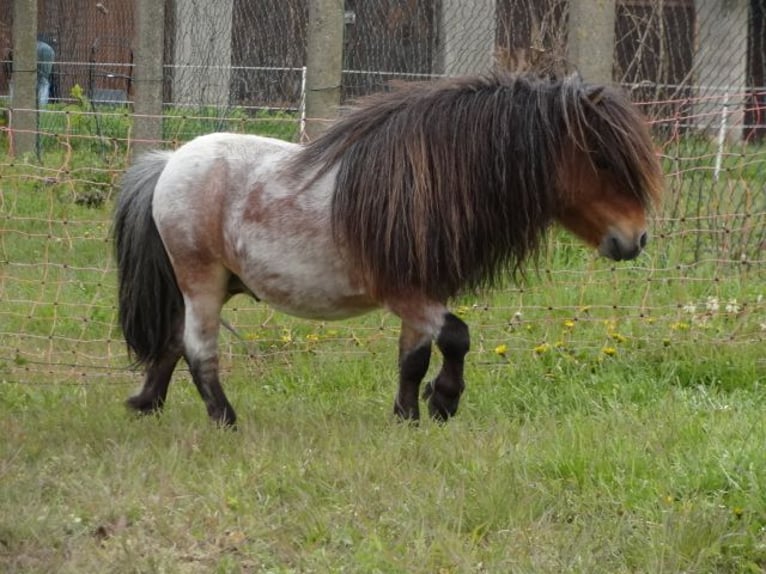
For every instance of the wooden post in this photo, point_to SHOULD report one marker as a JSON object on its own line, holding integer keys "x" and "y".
{"x": 23, "y": 111}
{"x": 324, "y": 61}
{"x": 147, "y": 107}
{"x": 590, "y": 41}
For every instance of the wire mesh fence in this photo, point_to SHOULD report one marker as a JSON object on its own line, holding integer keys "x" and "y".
{"x": 696, "y": 68}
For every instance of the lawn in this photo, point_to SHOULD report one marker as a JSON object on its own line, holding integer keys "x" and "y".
{"x": 613, "y": 420}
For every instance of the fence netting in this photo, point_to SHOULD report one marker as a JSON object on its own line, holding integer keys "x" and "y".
{"x": 697, "y": 69}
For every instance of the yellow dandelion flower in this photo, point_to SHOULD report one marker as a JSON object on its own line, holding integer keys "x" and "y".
{"x": 680, "y": 326}
{"x": 501, "y": 350}
{"x": 569, "y": 324}
{"x": 617, "y": 337}
{"x": 609, "y": 351}
{"x": 312, "y": 337}
{"x": 542, "y": 348}
{"x": 462, "y": 311}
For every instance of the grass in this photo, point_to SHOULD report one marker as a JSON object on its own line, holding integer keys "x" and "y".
{"x": 613, "y": 420}
{"x": 575, "y": 472}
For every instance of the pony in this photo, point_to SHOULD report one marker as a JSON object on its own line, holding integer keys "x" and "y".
{"x": 413, "y": 196}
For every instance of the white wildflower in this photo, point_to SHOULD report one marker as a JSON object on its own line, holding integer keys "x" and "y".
{"x": 732, "y": 306}
{"x": 690, "y": 307}
{"x": 712, "y": 304}
{"x": 700, "y": 320}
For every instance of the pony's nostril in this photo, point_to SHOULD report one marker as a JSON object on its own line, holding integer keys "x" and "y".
{"x": 643, "y": 239}
{"x": 616, "y": 248}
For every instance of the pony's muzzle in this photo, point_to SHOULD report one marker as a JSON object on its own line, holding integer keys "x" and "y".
{"x": 619, "y": 247}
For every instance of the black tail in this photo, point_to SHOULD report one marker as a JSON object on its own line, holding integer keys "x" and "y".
{"x": 150, "y": 303}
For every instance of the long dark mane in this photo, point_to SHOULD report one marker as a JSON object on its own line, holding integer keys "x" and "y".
{"x": 446, "y": 185}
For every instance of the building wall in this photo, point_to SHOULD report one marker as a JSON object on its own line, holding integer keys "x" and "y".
{"x": 82, "y": 31}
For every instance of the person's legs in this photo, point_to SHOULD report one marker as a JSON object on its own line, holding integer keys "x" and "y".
{"x": 43, "y": 91}
{"x": 45, "y": 57}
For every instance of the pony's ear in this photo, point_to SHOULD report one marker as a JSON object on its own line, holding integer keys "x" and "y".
{"x": 595, "y": 94}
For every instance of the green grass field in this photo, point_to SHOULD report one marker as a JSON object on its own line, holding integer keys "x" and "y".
{"x": 613, "y": 420}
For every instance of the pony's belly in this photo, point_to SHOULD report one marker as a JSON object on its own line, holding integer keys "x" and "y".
{"x": 311, "y": 291}
{"x": 327, "y": 310}
{"x": 318, "y": 304}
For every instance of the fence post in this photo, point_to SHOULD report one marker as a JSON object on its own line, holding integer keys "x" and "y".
{"x": 23, "y": 114}
{"x": 202, "y": 45}
{"x": 147, "y": 103}
{"x": 590, "y": 41}
{"x": 324, "y": 63}
{"x": 466, "y": 37}
{"x": 720, "y": 65}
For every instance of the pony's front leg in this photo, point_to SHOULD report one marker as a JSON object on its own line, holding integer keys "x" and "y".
{"x": 444, "y": 392}
{"x": 201, "y": 353}
{"x": 423, "y": 321}
{"x": 414, "y": 357}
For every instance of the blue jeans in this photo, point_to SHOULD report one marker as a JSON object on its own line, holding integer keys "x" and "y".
{"x": 43, "y": 91}
{"x": 45, "y": 57}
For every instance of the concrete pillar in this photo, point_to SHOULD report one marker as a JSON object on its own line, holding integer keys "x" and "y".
{"x": 590, "y": 39}
{"x": 202, "y": 59}
{"x": 147, "y": 75}
{"x": 720, "y": 66}
{"x": 23, "y": 110}
{"x": 466, "y": 37}
{"x": 324, "y": 64}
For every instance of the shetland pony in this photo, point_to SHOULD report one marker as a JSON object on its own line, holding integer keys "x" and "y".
{"x": 413, "y": 196}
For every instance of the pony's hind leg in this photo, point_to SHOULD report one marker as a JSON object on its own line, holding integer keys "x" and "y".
{"x": 414, "y": 357}
{"x": 151, "y": 397}
{"x": 444, "y": 392}
{"x": 200, "y": 341}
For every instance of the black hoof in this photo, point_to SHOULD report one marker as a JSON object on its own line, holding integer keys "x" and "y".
{"x": 224, "y": 418}
{"x": 227, "y": 426}
{"x": 143, "y": 405}
{"x": 440, "y": 405}
{"x": 409, "y": 414}
{"x": 407, "y": 403}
